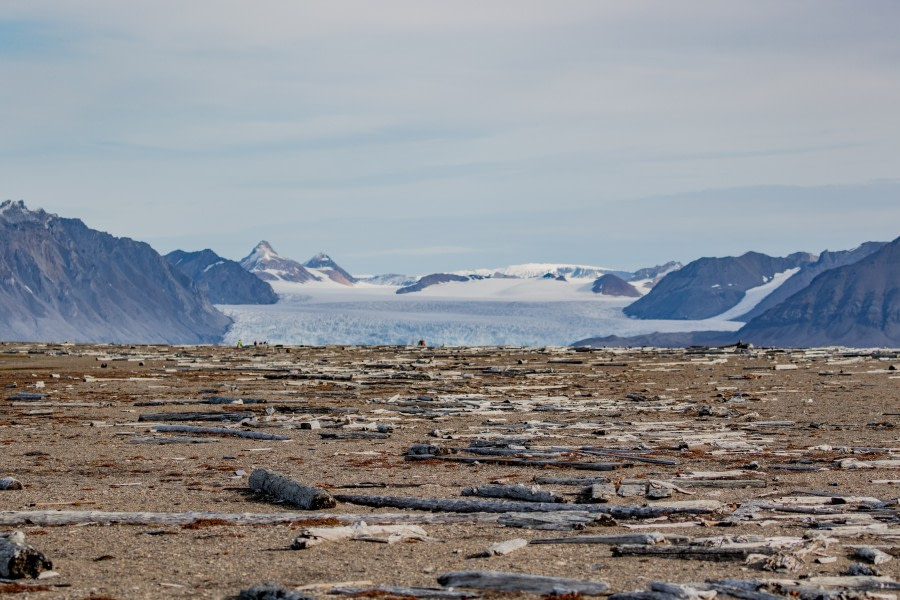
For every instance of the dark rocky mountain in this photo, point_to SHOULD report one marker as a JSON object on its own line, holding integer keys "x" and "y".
{"x": 709, "y": 286}
{"x": 429, "y": 280}
{"x": 65, "y": 281}
{"x": 853, "y": 305}
{"x": 325, "y": 265}
{"x": 268, "y": 265}
{"x": 808, "y": 272}
{"x": 610, "y": 285}
{"x": 223, "y": 281}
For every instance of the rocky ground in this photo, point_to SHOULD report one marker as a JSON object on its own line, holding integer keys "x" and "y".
{"x": 776, "y": 468}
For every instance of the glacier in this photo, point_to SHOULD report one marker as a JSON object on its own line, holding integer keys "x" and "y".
{"x": 516, "y": 312}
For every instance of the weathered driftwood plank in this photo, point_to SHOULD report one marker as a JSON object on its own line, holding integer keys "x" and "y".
{"x": 459, "y": 505}
{"x": 522, "y": 462}
{"x": 519, "y": 582}
{"x": 648, "y": 539}
{"x": 582, "y": 481}
{"x": 685, "y": 551}
{"x": 395, "y": 591}
{"x": 195, "y": 416}
{"x": 10, "y": 483}
{"x": 252, "y": 435}
{"x": 723, "y": 483}
{"x": 18, "y": 560}
{"x": 553, "y": 521}
{"x": 86, "y": 517}
{"x": 513, "y": 492}
{"x": 660, "y": 590}
{"x": 313, "y": 536}
{"x": 175, "y": 439}
{"x": 287, "y": 490}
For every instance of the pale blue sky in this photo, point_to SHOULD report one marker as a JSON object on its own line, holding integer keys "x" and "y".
{"x": 418, "y": 135}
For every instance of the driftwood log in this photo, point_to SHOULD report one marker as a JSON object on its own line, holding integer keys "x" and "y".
{"x": 88, "y": 517}
{"x": 253, "y": 435}
{"x": 459, "y": 505}
{"x": 287, "y": 490}
{"x": 554, "y": 521}
{"x": 519, "y": 582}
{"x": 513, "y": 492}
{"x": 690, "y": 552}
{"x": 18, "y": 560}
{"x": 196, "y": 416}
{"x": 395, "y": 591}
{"x": 522, "y": 462}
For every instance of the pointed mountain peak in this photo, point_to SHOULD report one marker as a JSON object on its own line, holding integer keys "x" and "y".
{"x": 268, "y": 265}
{"x": 331, "y": 269}
{"x": 265, "y": 247}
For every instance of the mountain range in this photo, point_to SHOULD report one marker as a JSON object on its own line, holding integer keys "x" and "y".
{"x": 64, "y": 281}
{"x": 855, "y": 304}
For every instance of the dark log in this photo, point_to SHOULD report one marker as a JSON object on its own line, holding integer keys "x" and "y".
{"x": 520, "y": 462}
{"x": 394, "y": 591}
{"x": 458, "y": 505}
{"x": 285, "y": 489}
{"x": 252, "y": 435}
{"x": 520, "y": 582}
{"x": 716, "y": 553}
{"x": 549, "y": 480}
{"x": 196, "y": 416}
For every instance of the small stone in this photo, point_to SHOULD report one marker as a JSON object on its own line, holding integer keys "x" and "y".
{"x": 10, "y": 483}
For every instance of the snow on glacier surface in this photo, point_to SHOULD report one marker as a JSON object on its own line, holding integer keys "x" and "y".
{"x": 487, "y": 312}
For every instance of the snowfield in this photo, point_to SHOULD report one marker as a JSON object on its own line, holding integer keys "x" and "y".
{"x": 520, "y": 312}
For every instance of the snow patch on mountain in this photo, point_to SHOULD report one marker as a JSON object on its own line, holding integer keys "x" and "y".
{"x": 754, "y": 296}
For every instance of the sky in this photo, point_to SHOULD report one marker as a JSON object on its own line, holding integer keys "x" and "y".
{"x": 414, "y": 136}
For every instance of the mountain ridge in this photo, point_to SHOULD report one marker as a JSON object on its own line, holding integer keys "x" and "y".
{"x": 66, "y": 281}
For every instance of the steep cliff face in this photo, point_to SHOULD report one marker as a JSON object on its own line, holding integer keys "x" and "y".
{"x": 854, "y": 305}
{"x": 223, "y": 281}
{"x": 64, "y": 281}
{"x": 827, "y": 260}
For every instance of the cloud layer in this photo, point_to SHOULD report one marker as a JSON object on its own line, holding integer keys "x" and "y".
{"x": 216, "y": 123}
